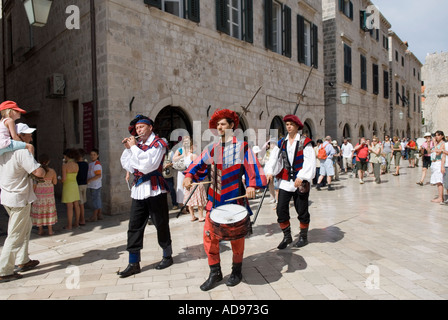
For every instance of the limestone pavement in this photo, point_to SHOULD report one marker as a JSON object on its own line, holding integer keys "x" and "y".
{"x": 367, "y": 242}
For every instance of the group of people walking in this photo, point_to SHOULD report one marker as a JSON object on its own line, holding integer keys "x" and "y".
{"x": 229, "y": 166}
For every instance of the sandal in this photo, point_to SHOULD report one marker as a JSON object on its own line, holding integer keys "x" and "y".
{"x": 194, "y": 219}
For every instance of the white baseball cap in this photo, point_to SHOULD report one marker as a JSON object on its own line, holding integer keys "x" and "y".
{"x": 24, "y": 128}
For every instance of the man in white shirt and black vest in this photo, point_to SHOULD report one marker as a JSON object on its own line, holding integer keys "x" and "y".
{"x": 145, "y": 159}
{"x": 295, "y": 167}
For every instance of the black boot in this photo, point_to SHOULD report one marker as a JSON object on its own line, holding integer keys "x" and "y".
{"x": 303, "y": 238}
{"x": 165, "y": 263}
{"x": 287, "y": 239}
{"x": 214, "y": 277}
{"x": 132, "y": 268}
{"x": 236, "y": 276}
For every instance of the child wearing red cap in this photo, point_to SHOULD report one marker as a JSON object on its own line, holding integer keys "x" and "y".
{"x": 9, "y": 139}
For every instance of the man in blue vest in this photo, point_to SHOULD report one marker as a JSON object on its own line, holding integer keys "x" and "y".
{"x": 293, "y": 162}
{"x": 145, "y": 159}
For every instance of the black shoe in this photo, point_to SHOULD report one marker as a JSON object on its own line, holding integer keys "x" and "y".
{"x": 236, "y": 276}
{"x": 330, "y": 188}
{"x": 131, "y": 269}
{"x": 318, "y": 188}
{"x": 303, "y": 238}
{"x": 165, "y": 263}
{"x": 214, "y": 277}
{"x": 287, "y": 239}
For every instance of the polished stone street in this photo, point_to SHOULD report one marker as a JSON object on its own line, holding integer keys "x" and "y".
{"x": 367, "y": 241}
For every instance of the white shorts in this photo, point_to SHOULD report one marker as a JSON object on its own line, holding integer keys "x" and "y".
{"x": 326, "y": 167}
{"x": 436, "y": 172}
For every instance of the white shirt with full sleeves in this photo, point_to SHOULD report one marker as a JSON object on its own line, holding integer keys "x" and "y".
{"x": 144, "y": 161}
{"x": 309, "y": 164}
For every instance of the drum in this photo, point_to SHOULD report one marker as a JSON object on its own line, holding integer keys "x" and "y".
{"x": 230, "y": 222}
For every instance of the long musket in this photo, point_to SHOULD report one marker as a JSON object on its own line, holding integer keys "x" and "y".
{"x": 303, "y": 90}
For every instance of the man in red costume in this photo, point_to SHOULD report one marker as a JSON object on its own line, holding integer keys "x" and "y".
{"x": 294, "y": 167}
{"x": 229, "y": 159}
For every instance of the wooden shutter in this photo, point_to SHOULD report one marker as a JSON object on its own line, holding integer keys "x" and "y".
{"x": 301, "y": 38}
{"x": 347, "y": 64}
{"x": 287, "y": 34}
{"x": 375, "y": 79}
{"x": 154, "y": 3}
{"x": 194, "y": 12}
{"x": 222, "y": 14}
{"x": 386, "y": 84}
{"x": 315, "y": 46}
{"x": 248, "y": 14}
{"x": 268, "y": 24}
{"x": 363, "y": 72}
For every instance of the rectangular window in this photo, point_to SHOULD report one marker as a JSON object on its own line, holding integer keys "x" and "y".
{"x": 278, "y": 27}
{"x": 188, "y": 9}
{"x": 346, "y": 7}
{"x": 363, "y": 72}
{"x": 235, "y": 18}
{"x": 385, "y": 43}
{"x": 308, "y": 42}
{"x": 375, "y": 79}
{"x": 347, "y": 64}
{"x": 386, "y": 84}
{"x": 174, "y": 7}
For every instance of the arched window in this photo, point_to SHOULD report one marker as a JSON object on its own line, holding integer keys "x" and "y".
{"x": 361, "y": 131}
{"x": 169, "y": 119}
{"x": 347, "y": 132}
{"x": 278, "y": 124}
{"x": 307, "y": 129}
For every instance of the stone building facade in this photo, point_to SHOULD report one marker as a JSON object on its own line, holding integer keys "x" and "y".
{"x": 357, "y": 58}
{"x": 435, "y": 102}
{"x": 405, "y": 89}
{"x": 176, "y": 64}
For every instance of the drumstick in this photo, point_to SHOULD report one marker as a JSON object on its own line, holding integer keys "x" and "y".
{"x": 199, "y": 183}
{"x": 241, "y": 197}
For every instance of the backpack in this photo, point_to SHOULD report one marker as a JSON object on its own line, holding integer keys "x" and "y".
{"x": 322, "y": 154}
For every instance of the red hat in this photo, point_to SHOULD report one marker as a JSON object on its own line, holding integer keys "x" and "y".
{"x": 11, "y": 105}
{"x": 295, "y": 119}
{"x": 223, "y": 114}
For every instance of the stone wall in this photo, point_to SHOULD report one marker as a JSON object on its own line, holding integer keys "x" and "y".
{"x": 163, "y": 60}
{"x": 435, "y": 105}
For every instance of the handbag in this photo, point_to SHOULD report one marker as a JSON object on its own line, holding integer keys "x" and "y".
{"x": 179, "y": 164}
{"x": 304, "y": 187}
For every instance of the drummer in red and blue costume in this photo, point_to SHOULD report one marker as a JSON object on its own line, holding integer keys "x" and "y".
{"x": 294, "y": 168}
{"x": 228, "y": 158}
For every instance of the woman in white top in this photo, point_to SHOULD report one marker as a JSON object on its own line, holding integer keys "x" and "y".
{"x": 180, "y": 154}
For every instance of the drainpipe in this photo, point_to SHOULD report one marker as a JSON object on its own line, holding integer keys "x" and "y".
{"x": 3, "y": 50}
{"x": 94, "y": 71}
